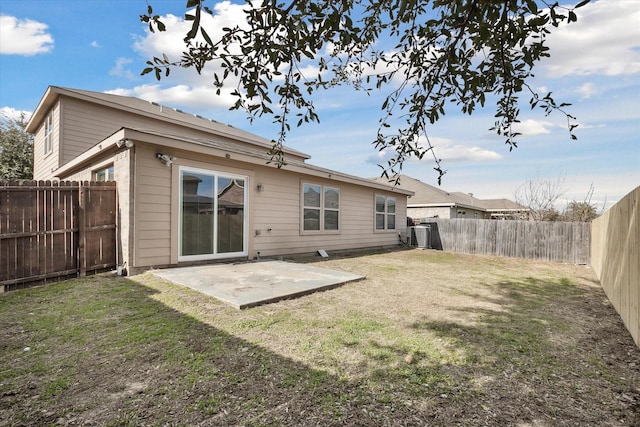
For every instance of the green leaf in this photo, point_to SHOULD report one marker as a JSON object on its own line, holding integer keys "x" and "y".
{"x": 206, "y": 36}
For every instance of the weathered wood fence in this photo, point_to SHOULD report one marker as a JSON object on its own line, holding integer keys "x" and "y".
{"x": 552, "y": 241}
{"x": 615, "y": 258}
{"x": 55, "y": 229}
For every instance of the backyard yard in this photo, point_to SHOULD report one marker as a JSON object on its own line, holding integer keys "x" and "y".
{"x": 429, "y": 338}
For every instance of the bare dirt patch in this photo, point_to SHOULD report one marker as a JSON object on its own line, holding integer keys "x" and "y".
{"x": 429, "y": 338}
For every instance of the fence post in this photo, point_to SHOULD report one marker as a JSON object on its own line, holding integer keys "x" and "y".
{"x": 82, "y": 224}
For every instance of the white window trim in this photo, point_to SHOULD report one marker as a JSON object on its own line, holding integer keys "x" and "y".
{"x": 48, "y": 134}
{"x": 94, "y": 174}
{"x": 322, "y": 209}
{"x": 245, "y": 220}
{"x": 386, "y": 214}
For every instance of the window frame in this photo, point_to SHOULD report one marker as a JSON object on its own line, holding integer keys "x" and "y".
{"x": 322, "y": 209}
{"x": 48, "y": 134}
{"x": 109, "y": 173}
{"x": 216, "y": 254}
{"x": 386, "y": 213}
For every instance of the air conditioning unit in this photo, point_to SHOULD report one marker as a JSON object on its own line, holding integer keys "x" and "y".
{"x": 421, "y": 236}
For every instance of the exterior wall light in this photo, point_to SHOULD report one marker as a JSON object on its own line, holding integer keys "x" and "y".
{"x": 165, "y": 158}
{"x": 126, "y": 142}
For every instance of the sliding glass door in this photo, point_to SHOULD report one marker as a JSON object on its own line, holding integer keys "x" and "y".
{"x": 213, "y": 215}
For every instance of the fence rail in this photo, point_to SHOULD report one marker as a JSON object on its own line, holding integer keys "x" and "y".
{"x": 51, "y": 229}
{"x": 551, "y": 241}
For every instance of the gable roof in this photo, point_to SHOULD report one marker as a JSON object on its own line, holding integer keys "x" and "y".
{"x": 149, "y": 109}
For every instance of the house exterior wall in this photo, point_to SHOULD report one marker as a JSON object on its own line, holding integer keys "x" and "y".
{"x": 274, "y": 212}
{"x": 45, "y": 164}
{"x": 81, "y": 125}
{"x": 84, "y": 139}
{"x": 123, "y": 175}
{"x": 278, "y": 215}
{"x": 468, "y": 213}
{"x": 85, "y": 124}
{"x": 419, "y": 213}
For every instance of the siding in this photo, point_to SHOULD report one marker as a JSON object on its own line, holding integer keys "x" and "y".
{"x": 276, "y": 208}
{"x": 122, "y": 176}
{"x": 422, "y": 213}
{"x": 153, "y": 222}
{"x": 85, "y": 124}
{"x": 446, "y": 212}
{"x": 43, "y": 166}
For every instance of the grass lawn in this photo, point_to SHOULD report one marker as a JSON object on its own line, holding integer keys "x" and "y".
{"x": 429, "y": 338}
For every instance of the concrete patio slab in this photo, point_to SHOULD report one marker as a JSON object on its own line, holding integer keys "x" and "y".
{"x": 245, "y": 285}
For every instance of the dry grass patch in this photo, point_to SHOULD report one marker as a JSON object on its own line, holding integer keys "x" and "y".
{"x": 429, "y": 338}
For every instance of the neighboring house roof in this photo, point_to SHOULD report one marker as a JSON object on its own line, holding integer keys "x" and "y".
{"x": 429, "y": 196}
{"x": 149, "y": 109}
{"x": 426, "y": 195}
{"x": 502, "y": 205}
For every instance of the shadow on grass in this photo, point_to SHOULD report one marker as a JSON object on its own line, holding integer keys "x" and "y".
{"x": 549, "y": 353}
{"x": 103, "y": 351}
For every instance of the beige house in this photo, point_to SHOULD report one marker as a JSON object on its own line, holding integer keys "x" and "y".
{"x": 433, "y": 202}
{"x": 191, "y": 189}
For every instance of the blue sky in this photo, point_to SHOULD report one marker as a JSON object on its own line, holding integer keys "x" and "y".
{"x": 595, "y": 65}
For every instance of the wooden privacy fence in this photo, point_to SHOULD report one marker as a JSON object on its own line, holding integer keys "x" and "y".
{"x": 552, "y": 241}
{"x": 615, "y": 258}
{"x": 55, "y": 229}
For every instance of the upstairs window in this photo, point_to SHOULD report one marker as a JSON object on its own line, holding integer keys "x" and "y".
{"x": 321, "y": 208}
{"x": 105, "y": 174}
{"x": 385, "y": 213}
{"x": 48, "y": 134}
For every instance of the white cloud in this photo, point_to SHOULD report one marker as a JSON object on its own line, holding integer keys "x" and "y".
{"x": 444, "y": 149}
{"x": 13, "y": 114}
{"x": 450, "y": 151}
{"x": 120, "y": 69}
{"x": 23, "y": 36}
{"x": 604, "y": 41}
{"x": 533, "y": 127}
{"x": 587, "y": 90}
{"x": 187, "y": 88}
{"x": 171, "y": 41}
{"x": 197, "y": 97}
{"x": 95, "y": 44}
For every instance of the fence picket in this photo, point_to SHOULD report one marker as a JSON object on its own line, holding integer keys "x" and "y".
{"x": 550, "y": 241}
{"x": 40, "y": 230}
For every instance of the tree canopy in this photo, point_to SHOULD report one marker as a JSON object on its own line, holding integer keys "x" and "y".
{"x": 16, "y": 149}
{"x": 427, "y": 55}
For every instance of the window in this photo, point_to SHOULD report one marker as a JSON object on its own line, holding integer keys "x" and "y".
{"x": 48, "y": 133}
{"x": 321, "y": 208}
{"x": 213, "y": 218}
{"x": 105, "y": 174}
{"x": 385, "y": 213}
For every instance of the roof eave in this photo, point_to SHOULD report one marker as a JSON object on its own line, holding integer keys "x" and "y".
{"x": 110, "y": 143}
